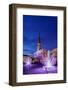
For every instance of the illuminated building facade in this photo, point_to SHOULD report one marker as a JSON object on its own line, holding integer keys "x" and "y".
{"x": 41, "y": 55}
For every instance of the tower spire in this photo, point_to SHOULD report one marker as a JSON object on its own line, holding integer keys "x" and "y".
{"x": 39, "y": 43}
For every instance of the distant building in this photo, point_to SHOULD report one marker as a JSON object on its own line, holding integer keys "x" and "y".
{"x": 54, "y": 56}
{"x": 54, "y": 52}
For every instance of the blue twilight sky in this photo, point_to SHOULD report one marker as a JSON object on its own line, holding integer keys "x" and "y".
{"x": 32, "y": 26}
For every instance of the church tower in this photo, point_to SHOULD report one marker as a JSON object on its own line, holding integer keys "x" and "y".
{"x": 39, "y": 43}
